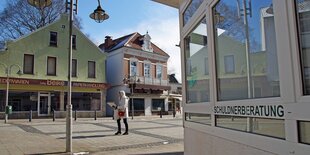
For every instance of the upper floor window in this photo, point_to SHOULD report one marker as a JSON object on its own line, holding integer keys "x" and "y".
{"x": 53, "y": 38}
{"x": 303, "y": 18}
{"x": 229, "y": 62}
{"x": 51, "y": 66}
{"x": 147, "y": 70}
{"x": 133, "y": 68}
{"x": 245, "y": 47}
{"x": 74, "y": 41}
{"x": 190, "y": 10}
{"x": 74, "y": 68}
{"x": 158, "y": 71}
{"x": 28, "y": 64}
{"x": 91, "y": 69}
{"x": 196, "y": 50}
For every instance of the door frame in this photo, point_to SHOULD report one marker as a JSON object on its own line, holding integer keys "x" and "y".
{"x": 48, "y": 95}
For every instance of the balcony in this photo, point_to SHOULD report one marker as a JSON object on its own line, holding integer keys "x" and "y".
{"x": 152, "y": 81}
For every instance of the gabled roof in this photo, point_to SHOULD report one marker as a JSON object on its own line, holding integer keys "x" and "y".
{"x": 133, "y": 40}
{"x": 172, "y": 79}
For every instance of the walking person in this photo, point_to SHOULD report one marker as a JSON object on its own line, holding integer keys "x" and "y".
{"x": 121, "y": 112}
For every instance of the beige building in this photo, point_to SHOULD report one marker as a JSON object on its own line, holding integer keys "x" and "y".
{"x": 139, "y": 67}
{"x": 245, "y": 76}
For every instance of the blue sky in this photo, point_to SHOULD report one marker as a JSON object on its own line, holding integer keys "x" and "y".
{"x": 128, "y": 16}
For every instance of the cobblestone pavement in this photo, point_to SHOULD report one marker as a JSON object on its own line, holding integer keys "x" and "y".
{"x": 147, "y": 135}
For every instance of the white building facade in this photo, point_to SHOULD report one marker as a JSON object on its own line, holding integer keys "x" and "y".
{"x": 137, "y": 66}
{"x": 245, "y": 76}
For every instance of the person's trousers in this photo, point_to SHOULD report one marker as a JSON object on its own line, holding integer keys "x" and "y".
{"x": 119, "y": 125}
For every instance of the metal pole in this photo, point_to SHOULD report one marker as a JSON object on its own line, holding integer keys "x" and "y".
{"x": 132, "y": 111}
{"x": 30, "y": 115}
{"x": 247, "y": 48}
{"x": 95, "y": 114}
{"x": 7, "y": 94}
{"x": 53, "y": 115}
{"x": 69, "y": 105}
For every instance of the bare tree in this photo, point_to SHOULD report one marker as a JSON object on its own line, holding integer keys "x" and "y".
{"x": 19, "y": 18}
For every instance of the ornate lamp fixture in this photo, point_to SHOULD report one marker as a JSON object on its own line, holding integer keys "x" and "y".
{"x": 99, "y": 14}
{"x": 40, "y": 4}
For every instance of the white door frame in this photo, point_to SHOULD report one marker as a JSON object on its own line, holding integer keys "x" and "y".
{"x": 48, "y": 95}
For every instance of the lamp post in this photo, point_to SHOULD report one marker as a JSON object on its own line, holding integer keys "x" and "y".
{"x": 99, "y": 16}
{"x": 8, "y": 73}
{"x": 131, "y": 80}
{"x": 245, "y": 11}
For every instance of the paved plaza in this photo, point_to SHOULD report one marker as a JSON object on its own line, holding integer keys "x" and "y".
{"x": 147, "y": 135}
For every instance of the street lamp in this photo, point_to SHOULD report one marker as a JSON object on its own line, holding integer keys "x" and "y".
{"x": 99, "y": 15}
{"x": 40, "y": 4}
{"x": 131, "y": 80}
{"x": 8, "y": 73}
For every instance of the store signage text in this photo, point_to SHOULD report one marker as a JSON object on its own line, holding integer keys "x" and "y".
{"x": 258, "y": 110}
{"x": 51, "y": 83}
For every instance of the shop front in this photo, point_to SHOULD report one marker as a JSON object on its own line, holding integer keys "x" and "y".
{"x": 43, "y": 97}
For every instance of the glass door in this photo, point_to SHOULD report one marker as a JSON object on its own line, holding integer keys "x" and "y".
{"x": 44, "y": 103}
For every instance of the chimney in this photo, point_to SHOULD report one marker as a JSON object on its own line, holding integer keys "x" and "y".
{"x": 107, "y": 42}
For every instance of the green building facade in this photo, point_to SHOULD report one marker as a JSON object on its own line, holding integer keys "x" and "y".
{"x": 42, "y": 56}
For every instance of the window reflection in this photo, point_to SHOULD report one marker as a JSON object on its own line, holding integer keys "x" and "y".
{"x": 303, "y": 13}
{"x": 246, "y": 52}
{"x": 197, "y": 77}
{"x": 190, "y": 10}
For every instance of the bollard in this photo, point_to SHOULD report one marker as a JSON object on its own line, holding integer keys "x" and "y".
{"x": 161, "y": 116}
{"x": 95, "y": 114}
{"x": 30, "y": 115}
{"x": 173, "y": 113}
{"x": 75, "y": 115}
{"x": 53, "y": 115}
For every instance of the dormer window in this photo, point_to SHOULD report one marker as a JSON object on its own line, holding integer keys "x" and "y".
{"x": 147, "y": 45}
{"x": 53, "y": 39}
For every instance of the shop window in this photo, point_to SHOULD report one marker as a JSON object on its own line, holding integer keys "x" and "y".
{"x": 262, "y": 126}
{"x": 85, "y": 101}
{"x": 190, "y": 10}
{"x": 303, "y": 18}
{"x": 28, "y": 64}
{"x": 268, "y": 127}
{"x": 53, "y": 39}
{"x": 198, "y": 118}
{"x": 245, "y": 47}
{"x": 232, "y": 122}
{"x": 196, "y": 50}
{"x": 138, "y": 106}
{"x": 73, "y": 41}
{"x": 91, "y": 69}
{"x": 51, "y": 66}
{"x": 74, "y": 67}
{"x": 158, "y": 104}
{"x": 304, "y": 132}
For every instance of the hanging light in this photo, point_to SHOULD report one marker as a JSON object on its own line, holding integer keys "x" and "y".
{"x": 40, "y": 3}
{"x": 99, "y": 14}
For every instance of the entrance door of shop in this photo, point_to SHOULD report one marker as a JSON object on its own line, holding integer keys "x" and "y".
{"x": 44, "y": 104}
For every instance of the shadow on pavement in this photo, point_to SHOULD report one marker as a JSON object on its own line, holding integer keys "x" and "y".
{"x": 170, "y": 153}
{"x": 82, "y": 137}
{"x": 47, "y": 153}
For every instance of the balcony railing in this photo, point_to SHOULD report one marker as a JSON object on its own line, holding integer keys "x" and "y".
{"x": 152, "y": 81}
